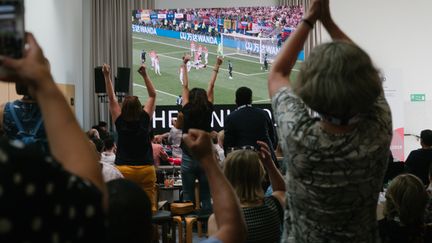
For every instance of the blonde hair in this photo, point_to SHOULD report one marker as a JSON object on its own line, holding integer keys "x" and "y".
{"x": 245, "y": 172}
{"x": 338, "y": 79}
{"x": 406, "y": 198}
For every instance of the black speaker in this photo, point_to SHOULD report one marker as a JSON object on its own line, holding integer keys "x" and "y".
{"x": 99, "y": 81}
{"x": 122, "y": 80}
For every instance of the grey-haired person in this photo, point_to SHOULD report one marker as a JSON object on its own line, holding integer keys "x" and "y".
{"x": 335, "y": 164}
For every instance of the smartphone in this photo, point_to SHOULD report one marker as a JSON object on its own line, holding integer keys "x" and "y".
{"x": 12, "y": 32}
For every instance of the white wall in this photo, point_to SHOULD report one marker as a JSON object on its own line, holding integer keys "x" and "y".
{"x": 172, "y": 4}
{"x": 58, "y": 27}
{"x": 397, "y": 34}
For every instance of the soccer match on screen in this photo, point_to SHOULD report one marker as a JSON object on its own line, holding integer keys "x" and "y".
{"x": 248, "y": 39}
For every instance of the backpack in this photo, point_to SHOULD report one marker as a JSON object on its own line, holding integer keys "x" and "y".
{"x": 29, "y": 136}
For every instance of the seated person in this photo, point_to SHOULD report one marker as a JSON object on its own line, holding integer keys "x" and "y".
{"x": 159, "y": 154}
{"x": 263, "y": 215}
{"x": 102, "y": 129}
{"x": 404, "y": 212}
{"x": 109, "y": 150}
{"x": 109, "y": 171}
{"x": 43, "y": 200}
{"x": 428, "y": 216}
{"x": 22, "y": 119}
{"x": 129, "y": 213}
{"x": 218, "y": 149}
{"x": 175, "y": 136}
{"x": 419, "y": 160}
{"x": 93, "y": 134}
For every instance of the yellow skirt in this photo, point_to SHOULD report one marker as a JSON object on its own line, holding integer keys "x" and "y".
{"x": 144, "y": 176}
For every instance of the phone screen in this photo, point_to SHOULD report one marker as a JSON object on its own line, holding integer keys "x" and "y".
{"x": 12, "y": 28}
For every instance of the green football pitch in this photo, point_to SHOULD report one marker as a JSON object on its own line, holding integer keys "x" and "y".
{"x": 246, "y": 71}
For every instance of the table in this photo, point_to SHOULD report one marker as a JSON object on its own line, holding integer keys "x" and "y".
{"x": 168, "y": 167}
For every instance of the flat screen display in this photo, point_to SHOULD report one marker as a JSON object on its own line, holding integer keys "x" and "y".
{"x": 248, "y": 39}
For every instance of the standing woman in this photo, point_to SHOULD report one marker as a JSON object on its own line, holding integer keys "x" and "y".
{"x": 197, "y": 111}
{"x": 134, "y": 156}
{"x": 335, "y": 165}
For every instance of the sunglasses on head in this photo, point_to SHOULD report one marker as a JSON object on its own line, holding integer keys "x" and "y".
{"x": 246, "y": 147}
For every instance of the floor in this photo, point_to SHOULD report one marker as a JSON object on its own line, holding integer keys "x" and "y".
{"x": 195, "y": 237}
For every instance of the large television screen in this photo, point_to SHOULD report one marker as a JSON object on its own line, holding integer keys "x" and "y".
{"x": 248, "y": 38}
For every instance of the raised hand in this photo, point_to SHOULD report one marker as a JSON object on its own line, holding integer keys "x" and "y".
{"x": 314, "y": 11}
{"x": 186, "y": 58}
{"x": 106, "y": 69}
{"x": 325, "y": 12}
{"x": 219, "y": 60}
{"x": 199, "y": 144}
{"x": 142, "y": 70}
{"x": 32, "y": 70}
{"x": 264, "y": 153}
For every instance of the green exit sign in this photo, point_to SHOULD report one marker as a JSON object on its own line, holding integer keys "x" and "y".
{"x": 418, "y": 97}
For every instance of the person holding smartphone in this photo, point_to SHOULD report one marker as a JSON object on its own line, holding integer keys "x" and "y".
{"x": 49, "y": 198}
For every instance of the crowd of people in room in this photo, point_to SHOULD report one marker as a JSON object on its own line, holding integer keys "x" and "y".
{"x": 320, "y": 180}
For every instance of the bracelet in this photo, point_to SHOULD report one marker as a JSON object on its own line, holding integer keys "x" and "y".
{"x": 216, "y": 70}
{"x": 308, "y": 22}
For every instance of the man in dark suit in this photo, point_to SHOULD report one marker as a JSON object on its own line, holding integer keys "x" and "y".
{"x": 247, "y": 124}
{"x": 419, "y": 161}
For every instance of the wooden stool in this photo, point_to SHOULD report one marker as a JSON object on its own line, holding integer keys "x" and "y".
{"x": 199, "y": 216}
{"x": 178, "y": 220}
{"x": 189, "y": 225}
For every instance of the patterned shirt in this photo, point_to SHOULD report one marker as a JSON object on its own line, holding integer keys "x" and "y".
{"x": 41, "y": 202}
{"x": 332, "y": 180}
{"x": 264, "y": 222}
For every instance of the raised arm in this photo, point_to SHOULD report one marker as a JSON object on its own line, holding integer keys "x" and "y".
{"x": 210, "y": 89}
{"x": 226, "y": 206}
{"x": 150, "y": 104}
{"x": 335, "y": 32}
{"x": 276, "y": 179}
{"x": 185, "y": 85}
{"x": 69, "y": 145}
{"x": 284, "y": 63}
{"x": 114, "y": 106}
